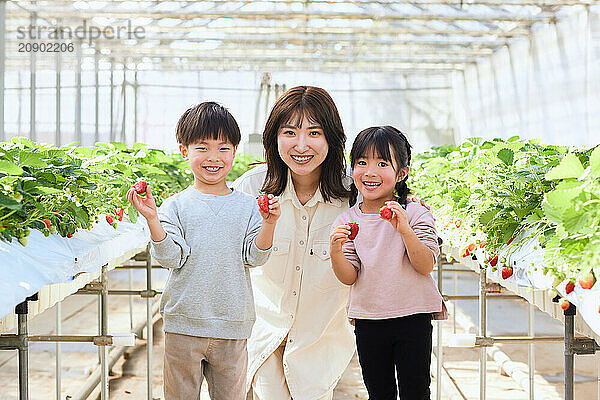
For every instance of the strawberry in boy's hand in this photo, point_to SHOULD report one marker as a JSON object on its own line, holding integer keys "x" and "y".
{"x": 263, "y": 203}
{"x": 140, "y": 187}
{"x": 353, "y": 230}
{"x": 386, "y": 213}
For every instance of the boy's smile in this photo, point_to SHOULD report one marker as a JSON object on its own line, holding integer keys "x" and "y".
{"x": 210, "y": 161}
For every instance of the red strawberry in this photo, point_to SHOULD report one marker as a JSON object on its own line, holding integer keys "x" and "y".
{"x": 119, "y": 213}
{"x": 471, "y": 247}
{"x": 493, "y": 261}
{"x": 386, "y": 213}
{"x": 507, "y": 272}
{"x": 69, "y": 235}
{"x": 482, "y": 245}
{"x": 587, "y": 282}
{"x": 263, "y": 203}
{"x": 569, "y": 287}
{"x": 109, "y": 219}
{"x": 140, "y": 187}
{"x": 510, "y": 241}
{"x": 458, "y": 223}
{"x": 47, "y": 222}
{"x": 353, "y": 230}
{"x": 466, "y": 253}
{"x": 564, "y": 303}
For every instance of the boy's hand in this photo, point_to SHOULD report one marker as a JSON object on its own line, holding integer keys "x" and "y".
{"x": 145, "y": 205}
{"x": 399, "y": 220}
{"x": 338, "y": 237}
{"x": 274, "y": 211}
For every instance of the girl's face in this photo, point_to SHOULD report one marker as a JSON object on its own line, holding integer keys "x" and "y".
{"x": 375, "y": 177}
{"x": 302, "y": 146}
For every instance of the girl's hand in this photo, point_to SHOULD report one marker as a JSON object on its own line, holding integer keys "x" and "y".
{"x": 399, "y": 220}
{"x": 338, "y": 237}
{"x": 145, "y": 205}
{"x": 274, "y": 211}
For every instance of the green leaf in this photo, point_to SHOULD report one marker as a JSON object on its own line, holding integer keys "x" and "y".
{"x": 24, "y": 141}
{"x": 488, "y": 216}
{"x": 132, "y": 213}
{"x": 45, "y": 190}
{"x": 512, "y": 139}
{"x": 9, "y": 202}
{"x": 32, "y": 159}
{"x": 569, "y": 167}
{"x": 507, "y": 156}
{"x": 124, "y": 168}
{"x": 10, "y": 168}
{"x": 595, "y": 162}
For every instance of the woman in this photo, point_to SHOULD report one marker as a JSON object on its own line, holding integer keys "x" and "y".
{"x": 301, "y": 342}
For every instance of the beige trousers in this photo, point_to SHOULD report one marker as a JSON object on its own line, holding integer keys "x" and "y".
{"x": 269, "y": 381}
{"x": 188, "y": 359}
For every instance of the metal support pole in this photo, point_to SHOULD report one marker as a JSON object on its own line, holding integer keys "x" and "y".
{"x": 2, "y": 65}
{"x": 482, "y": 331}
{"x": 517, "y": 97}
{"x": 78, "y": 94}
{"x": 97, "y": 97}
{"x": 32, "y": 87}
{"x": 588, "y": 66}
{"x": 440, "y": 349}
{"x": 531, "y": 353}
{"x": 104, "y": 331}
{"x": 149, "y": 330}
{"x": 112, "y": 99}
{"x": 454, "y": 291}
{"x": 569, "y": 352}
{"x": 58, "y": 351}
{"x": 57, "y": 135}
{"x": 135, "y": 106}
{"x": 124, "y": 90}
{"x": 21, "y": 310}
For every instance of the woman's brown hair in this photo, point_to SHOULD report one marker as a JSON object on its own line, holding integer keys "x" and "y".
{"x": 316, "y": 104}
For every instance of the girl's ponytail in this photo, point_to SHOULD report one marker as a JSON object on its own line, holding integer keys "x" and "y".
{"x": 402, "y": 191}
{"x": 353, "y": 194}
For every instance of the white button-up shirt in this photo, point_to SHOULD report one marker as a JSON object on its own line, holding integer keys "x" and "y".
{"x": 297, "y": 295}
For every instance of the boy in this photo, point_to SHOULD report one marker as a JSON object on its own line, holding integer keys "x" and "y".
{"x": 207, "y": 235}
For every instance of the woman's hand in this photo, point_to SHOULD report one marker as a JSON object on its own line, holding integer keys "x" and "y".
{"x": 145, "y": 205}
{"x": 338, "y": 237}
{"x": 274, "y": 211}
{"x": 399, "y": 220}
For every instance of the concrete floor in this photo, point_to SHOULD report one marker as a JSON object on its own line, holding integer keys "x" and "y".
{"x": 460, "y": 379}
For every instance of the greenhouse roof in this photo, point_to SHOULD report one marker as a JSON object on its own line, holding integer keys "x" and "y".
{"x": 419, "y": 36}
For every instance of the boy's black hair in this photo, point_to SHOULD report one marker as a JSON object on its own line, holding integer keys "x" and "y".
{"x": 208, "y": 120}
{"x": 378, "y": 140}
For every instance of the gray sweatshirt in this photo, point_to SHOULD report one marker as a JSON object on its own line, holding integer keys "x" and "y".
{"x": 209, "y": 245}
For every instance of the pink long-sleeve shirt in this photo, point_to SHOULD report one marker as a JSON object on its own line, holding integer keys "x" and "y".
{"x": 387, "y": 285}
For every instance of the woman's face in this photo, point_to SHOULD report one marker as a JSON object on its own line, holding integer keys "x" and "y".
{"x": 303, "y": 148}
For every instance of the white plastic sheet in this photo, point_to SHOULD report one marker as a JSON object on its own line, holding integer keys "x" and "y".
{"x": 54, "y": 259}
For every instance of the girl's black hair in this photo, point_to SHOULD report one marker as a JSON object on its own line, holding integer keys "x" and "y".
{"x": 378, "y": 140}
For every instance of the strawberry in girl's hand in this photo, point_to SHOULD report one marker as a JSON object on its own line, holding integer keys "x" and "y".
{"x": 569, "y": 287}
{"x": 353, "y": 230}
{"x": 587, "y": 281}
{"x": 386, "y": 213}
{"x": 564, "y": 304}
{"x": 140, "y": 187}
{"x": 263, "y": 203}
{"x": 507, "y": 272}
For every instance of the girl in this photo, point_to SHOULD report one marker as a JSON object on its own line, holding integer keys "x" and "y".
{"x": 301, "y": 342}
{"x": 388, "y": 263}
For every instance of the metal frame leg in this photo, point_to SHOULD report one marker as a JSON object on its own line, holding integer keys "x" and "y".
{"x": 440, "y": 349}
{"x": 482, "y": 332}
{"x": 104, "y": 331}
{"x": 21, "y": 310}
{"x": 569, "y": 352}
{"x": 58, "y": 351}
{"x": 531, "y": 353}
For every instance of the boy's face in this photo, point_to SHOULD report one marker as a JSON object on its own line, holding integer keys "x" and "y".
{"x": 210, "y": 160}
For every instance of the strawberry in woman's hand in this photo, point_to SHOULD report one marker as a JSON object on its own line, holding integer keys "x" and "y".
{"x": 263, "y": 203}
{"x": 353, "y": 230}
{"x": 386, "y": 213}
{"x": 140, "y": 187}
